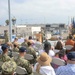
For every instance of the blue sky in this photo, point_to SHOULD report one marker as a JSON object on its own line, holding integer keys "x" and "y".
{"x": 38, "y": 11}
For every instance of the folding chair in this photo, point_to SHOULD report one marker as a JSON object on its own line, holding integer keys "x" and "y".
{"x": 39, "y": 46}
{"x": 21, "y": 71}
{"x": 56, "y": 51}
{"x": 68, "y": 47}
{"x": 15, "y": 54}
{"x": 58, "y": 61}
{"x": 29, "y": 57}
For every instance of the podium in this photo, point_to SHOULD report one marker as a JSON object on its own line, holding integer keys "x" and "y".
{"x": 39, "y": 37}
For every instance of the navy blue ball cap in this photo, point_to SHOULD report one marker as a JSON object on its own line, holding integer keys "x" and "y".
{"x": 22, "y": 49}
{"x": 4, "y": 47}
{"x": 71, "y": 56}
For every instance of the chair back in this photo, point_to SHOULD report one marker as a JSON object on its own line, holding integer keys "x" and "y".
{"x": 68, "y": 47}
{"x": 56, "y": 51}
{"x": 15, "y": 54}
{"x": 39, "y": 47}
{"x": 29, "y": 57}
{"x": 58, "y": 61}
{"x": 21, "y": 71}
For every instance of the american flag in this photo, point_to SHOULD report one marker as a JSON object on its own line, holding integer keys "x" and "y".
{"x": 73, "y": 22}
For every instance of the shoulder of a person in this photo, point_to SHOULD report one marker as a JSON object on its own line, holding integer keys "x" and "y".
{"x": 51, "y": 51}
{"x": 61, "y": 68}
{"x": 22, "y": 43}
{"x": 35, "y": 66}
{"x": 24, "y": 60}
{"x": 31, "y": 48}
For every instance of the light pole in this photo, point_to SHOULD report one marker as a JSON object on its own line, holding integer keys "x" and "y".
{"x": 10, "y": 26}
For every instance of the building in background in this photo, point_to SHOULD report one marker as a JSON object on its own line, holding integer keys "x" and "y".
{"x": 32, "y": 29}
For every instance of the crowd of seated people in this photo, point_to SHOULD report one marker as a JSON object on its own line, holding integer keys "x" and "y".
{"x": 42, "y": 63}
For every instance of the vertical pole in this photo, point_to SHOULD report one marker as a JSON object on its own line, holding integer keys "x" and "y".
{"x": 10, "y": 26}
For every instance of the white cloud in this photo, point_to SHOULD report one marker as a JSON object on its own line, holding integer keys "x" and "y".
{"x": 38, "y": 10}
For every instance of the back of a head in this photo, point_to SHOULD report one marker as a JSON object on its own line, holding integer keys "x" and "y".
{"x": 15, "y": 44}
{"x": 30, "y": 37}
{"x": 22, "y": 49}
{"x": 4, "y": 47}
{"x": 47, "y": 47}
{"x": 29, "y": 43}
{"x": 61, "y": 53}
{"x": 59, "y": 46}
{"x": 16, "y": 38}
{"x": 70, "y": 37}
{"x": 71, "y": 56}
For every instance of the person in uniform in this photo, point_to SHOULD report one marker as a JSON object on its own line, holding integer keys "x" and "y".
{"x": 8, "y": 68}
{"x": 15, "y": 40}
{"x": 25, "y": 43}
{"x": 5, "y": 56}
{"x": 21, "y": 61}
{"x": 9, "y": 44}
{"x": 6, "y": 36}
{"x": 16, "y": 47}
{"x": 30, "y": 50}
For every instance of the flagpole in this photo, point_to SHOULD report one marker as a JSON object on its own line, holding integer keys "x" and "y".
{"x": 10, "y": 26}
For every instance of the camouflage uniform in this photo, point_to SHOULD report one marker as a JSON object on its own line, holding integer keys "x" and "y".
{"x": 5, "y": 57}
{"x": 16, "y": 49}
{"x": 24, "y": 44}
{"x": 30, "y": 50}
{"x": 6, "y": 37}
{"x": 8, "y": 67}
{"x": 25, "y": 64}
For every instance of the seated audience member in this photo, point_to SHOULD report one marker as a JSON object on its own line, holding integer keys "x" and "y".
{"x": 69, "y": 42}
{"x": 37, "y": 45}
{"x": 60, "y": 39}
{"x": 31, "y": 39}
{"x": 5, "y": 56}
{"x": 30, "y": 50}
{"x": 25, "y": 43}
{"x": 21, "y": 61}
{"x": 43, "y": 65}
{"x": 8, "y": 68}
{"x": 68, "y": 69}
{"x": 47, "y": 49}
{"x": 62, "y": 55}
{"x": 16, "y": 47}
{"x": 9, "y": 44}
{"x": 15, "y": 40}
{"x": 73, "y": 49}
{"x": 59, "y": 46}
